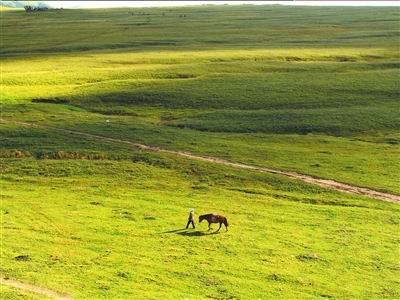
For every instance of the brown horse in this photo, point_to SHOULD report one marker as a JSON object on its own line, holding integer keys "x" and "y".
{"x": 211, "y": 218}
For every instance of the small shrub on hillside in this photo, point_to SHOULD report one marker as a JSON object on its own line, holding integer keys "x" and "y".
{"x": 308, "y": 257}
{"x": 6, "y": 153}
{"x": 344, "y": 58}
{"x": 151, "y": 161}
{"x": 115, "y": 112}
{"x": 71, "y": 155}
{"x": 51, "y": 101}
{"x": 22, "y": 258}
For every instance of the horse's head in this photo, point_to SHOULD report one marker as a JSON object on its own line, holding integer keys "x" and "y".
{"x": 201, "y": 218}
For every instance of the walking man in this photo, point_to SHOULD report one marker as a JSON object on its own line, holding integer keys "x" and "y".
{"x": 191, "y": 218}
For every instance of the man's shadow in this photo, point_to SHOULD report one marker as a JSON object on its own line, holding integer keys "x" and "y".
{"x": 173, "y": 231}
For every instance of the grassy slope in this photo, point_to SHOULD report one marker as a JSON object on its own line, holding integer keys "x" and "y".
{"x": 307, "y": 89}
{"x": 270, "y": 70}
{"x": 107, "y": 229}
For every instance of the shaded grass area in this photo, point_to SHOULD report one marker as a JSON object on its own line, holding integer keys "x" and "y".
{"x": 294, "y": 89}
{"x": 240, "y": 91}
{"x": 345, "y": 122}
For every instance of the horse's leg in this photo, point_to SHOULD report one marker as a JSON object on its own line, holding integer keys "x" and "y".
{"x": 220, "y": 224}
{"x": 209, "y": 226}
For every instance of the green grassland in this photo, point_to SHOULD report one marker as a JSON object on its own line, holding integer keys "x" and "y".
{"x": 110, "y": 229}
{"x": 307, "y": 89}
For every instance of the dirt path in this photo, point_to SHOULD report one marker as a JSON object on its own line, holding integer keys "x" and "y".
{"x": 325, "y": 183}
{"x": 34, "y": 289}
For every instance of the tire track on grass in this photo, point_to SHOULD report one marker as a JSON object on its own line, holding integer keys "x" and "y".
{"x": 34, "y": 289}
{"x": 325, "y": 183}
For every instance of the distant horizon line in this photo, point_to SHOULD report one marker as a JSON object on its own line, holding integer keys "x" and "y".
{"x": 104, "y": 4}
{"x": 180, "y": 3}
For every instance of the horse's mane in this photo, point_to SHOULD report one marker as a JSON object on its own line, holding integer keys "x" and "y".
{"x": 206, "y": 215}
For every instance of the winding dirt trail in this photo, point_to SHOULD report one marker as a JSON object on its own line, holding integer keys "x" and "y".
{"x": 325, "y": 183}
{"x": 34, "y": 289}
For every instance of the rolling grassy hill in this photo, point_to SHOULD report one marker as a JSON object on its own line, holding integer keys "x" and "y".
{"x": 306, "y": 89}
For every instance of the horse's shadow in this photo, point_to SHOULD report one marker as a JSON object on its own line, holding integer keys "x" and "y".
{"x": 196, "y": 233}
{"x": 190, "y": 233}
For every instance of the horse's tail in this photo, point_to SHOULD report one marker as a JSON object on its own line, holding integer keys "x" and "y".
{"x": 226, "y": 222}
